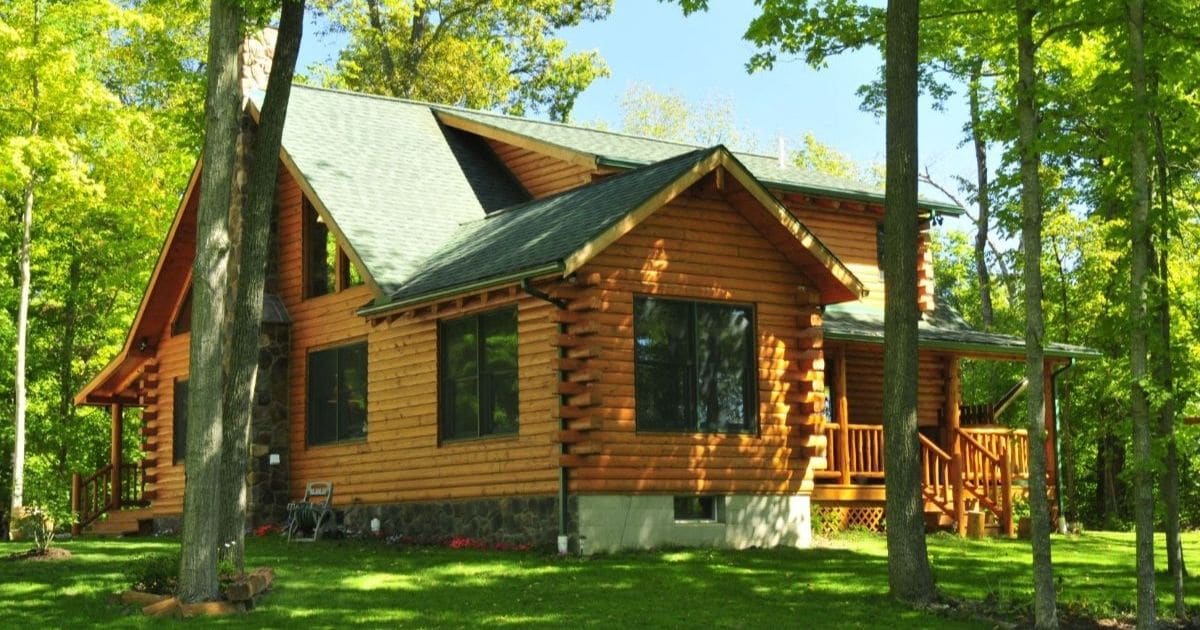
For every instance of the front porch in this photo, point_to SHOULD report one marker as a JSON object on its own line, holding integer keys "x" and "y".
{"x": 969, "y": 461}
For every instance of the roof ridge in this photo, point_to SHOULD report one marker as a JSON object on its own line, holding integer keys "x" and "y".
{"x": 554, "y": 123}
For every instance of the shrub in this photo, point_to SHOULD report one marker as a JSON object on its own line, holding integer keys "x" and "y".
{"x": 157, "y": 574}
{"x": 38, "y": 524}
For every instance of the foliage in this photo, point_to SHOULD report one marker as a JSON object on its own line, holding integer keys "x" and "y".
{"x": 835, "y": 585}
{"x": 40, "y": 524}
{"x": 501, "y": 53}
{"x": 112, "y": 155}
{"x": 157, "y": 573}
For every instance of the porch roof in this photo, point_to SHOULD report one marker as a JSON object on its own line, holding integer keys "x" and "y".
{"x": 941, "y": 329}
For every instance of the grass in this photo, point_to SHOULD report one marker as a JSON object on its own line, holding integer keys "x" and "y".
{"x": 369, "y": 584}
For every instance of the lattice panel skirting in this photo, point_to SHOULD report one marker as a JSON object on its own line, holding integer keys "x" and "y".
{"x": 836, "y": 518}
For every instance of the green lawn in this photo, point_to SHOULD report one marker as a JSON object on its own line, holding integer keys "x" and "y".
{"x": 369, "y": 584}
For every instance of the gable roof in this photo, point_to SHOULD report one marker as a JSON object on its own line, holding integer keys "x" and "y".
{"x": 395, "y": 182}
{"x": 607, "y": 148}
{"x": 557, "y": 234}
{"x": 941, "y": 329}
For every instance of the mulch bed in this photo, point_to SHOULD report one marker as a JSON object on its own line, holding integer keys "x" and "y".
{"x": 33, "y": 555}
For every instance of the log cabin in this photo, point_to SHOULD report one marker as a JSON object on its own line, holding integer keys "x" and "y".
{"x": 488, "y": 326}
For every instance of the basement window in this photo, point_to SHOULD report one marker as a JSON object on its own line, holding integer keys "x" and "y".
{"x": 692, "y": 509}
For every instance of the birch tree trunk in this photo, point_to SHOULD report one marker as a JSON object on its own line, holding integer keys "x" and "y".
{"x": 20, "y": 406}
{"x": 909, "y": 576}
{"x": 201, "y": 507}
{"x": 244, "y": 327}
{"x": 1143, "y": 492}
{"x": 1045, "y": 615}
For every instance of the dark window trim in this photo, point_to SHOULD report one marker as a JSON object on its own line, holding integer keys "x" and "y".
{"x": 752, "y": 403}
{"x": 182, "y": 324}
{"x": 342, "y": 275}
{"x": 177, "y": 457}
{"x": 479, "y": 382}
{"x": 355, "y": 341}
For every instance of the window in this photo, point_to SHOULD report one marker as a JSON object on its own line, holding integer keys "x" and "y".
{"x": 179, "y": 422}
{"x": 703, "y": 509}
{"x": 183, "y": 319}
{"x": 337, "y": 394}
{"x": 478, "y": 375}
{"x": 695, "y": 366}
{"x": 327, "y": 268}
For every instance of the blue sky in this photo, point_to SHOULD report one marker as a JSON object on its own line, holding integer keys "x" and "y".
{"x": 704, "y": 55}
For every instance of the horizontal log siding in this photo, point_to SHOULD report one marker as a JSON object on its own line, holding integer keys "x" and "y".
{"x": 702, "y": 248}
{"x": 864, "y": 385}
{"x": 166, "y": 491}
{"x": 850, "y": 235}
{"x": 540, "y": 174}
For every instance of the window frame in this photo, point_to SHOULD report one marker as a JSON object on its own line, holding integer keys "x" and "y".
{"x": 177, "y": 445}
{"x": 444, "y": 435}
{"x": 343, "y": 275}
{"x": 308, "y": 403}
{"x": 751, "y": 397}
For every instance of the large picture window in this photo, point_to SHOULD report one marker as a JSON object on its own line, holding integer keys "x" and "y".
{"x": 179, "y": 422}
{"x": 695, "y": 366}
{"x": 337, "y": 394}
{"x": 478, "y": 375}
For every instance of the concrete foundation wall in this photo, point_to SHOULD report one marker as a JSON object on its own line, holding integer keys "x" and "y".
{"x": 614, "y": 522}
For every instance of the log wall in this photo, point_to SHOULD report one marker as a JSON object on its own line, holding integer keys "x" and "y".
{"x": 700, "y": 247}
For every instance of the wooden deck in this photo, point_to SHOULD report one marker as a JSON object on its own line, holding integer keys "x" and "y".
{"x": 980, "y": 469}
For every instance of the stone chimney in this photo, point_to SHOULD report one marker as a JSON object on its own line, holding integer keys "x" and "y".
{"x": 256, "y": 53}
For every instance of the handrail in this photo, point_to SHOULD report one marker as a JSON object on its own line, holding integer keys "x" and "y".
{"x": 988, "y": 476}
{"x": 1007, "y": 399}
{"x": 866, "y": 450}
{"x": 963, "y": 433}
{"x": 95, "y": 497}
{"x": 938, "y": 483}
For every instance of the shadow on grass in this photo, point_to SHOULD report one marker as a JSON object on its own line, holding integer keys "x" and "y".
{"x": 368, "y": 584}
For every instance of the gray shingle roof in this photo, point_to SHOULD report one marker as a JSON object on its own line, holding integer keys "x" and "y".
{"x": 944, "y": 328}
{"x": 395, "y": 181}
{"x": 542, "y": 232}
{"x": 624, "y": 149}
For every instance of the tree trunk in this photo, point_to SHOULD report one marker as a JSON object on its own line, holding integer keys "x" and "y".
{"x": 201, "y": 508}
{"x": 1143, "y": 493}
{"x": 982, "y": 199}
{"x": 1045, "y": 615}
{"x": 375, "y": 19}
{"x": 20, "y": 404}
{"x": 262, "y": 161}
{"x": 909, "y": 576}
{"x": 1165, "y": 367}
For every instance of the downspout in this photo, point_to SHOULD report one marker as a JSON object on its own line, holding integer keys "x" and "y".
{"x": 1062, "y": 516}
{"x": 563, "y": 513}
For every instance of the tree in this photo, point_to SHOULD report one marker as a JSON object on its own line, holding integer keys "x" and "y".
{"x": 1045, "y": 615}
{"x": 246, "y": 296}
{"x": 909, "y": 576}
{"x": 198, "y": 567}
{"x": 502, "y": 53}
{"x": 1139, "y": 325}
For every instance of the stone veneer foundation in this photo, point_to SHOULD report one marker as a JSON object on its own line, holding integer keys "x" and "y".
{"x": 513, "y": 520}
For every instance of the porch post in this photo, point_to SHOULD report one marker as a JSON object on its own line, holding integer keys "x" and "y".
{"x": 843, "y": 418}
{"x": 1051, "y": 429}
{"x": 118, "y": 428}
{"x": 953, "y": 421}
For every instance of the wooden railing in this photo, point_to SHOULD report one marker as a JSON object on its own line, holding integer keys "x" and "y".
{"x": 93, "y": 495}
{"x": 1002, "y": 439}
{"x": 940, "y": 476}
{"x": 859, "y": 457}
{"x": 987, "y": 478}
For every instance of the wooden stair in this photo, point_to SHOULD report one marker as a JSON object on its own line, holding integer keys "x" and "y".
{"x": 119, "y": 523}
